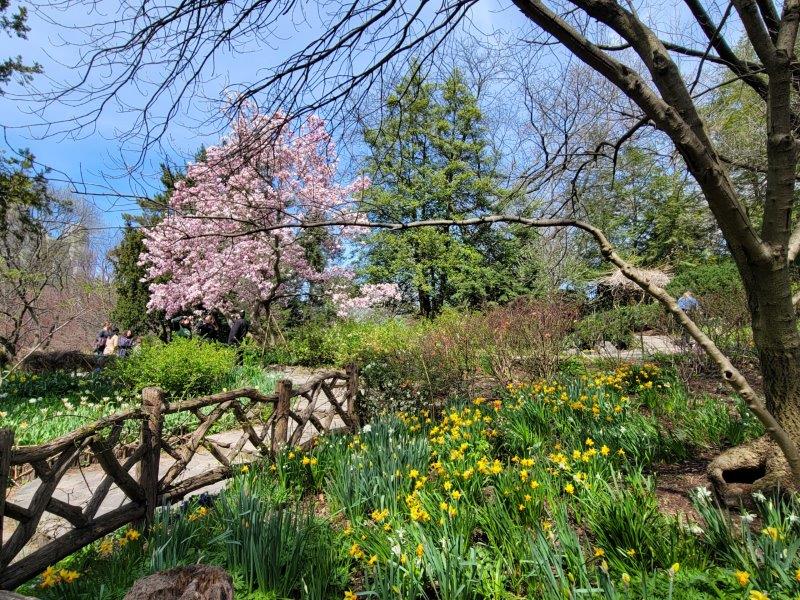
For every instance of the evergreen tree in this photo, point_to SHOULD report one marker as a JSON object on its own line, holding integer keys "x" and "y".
{"x": 657, "y": 215}
{"x": 431, "y": 158}
{"x": 15, "y": 25}
{"x": 133, "y": 294}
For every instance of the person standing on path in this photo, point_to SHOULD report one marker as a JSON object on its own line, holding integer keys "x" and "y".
{"x": 102, "y": 338}
{"x": 691, "y": 306}
{"x": 239, "y": 329}
{"x": 208, "y": 329}
{"x": 111, "y": 343}
{"x": 125, "y": 343}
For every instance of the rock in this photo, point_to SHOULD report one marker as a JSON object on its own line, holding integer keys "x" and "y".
{"x": 195, "y": 582}
{"x": 606, "y": 348}
{"x": 13, "y": 596}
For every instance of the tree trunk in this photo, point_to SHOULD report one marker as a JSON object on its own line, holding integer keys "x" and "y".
{"x": 425, "y": 305}
{"x": 760, "y": 465}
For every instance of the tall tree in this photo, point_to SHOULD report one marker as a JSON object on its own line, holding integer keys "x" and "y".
{"x": 657, "y": 216}
{"x": 44, "y": 259}
{"x": 133, "y": 291}
{"x": 226, "y": 241}
{"x": 430, "y": 158}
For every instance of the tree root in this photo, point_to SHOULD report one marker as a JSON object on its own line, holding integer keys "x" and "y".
{"x": 758, "y": 466}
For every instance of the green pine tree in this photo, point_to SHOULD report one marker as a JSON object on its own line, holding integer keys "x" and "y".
{"x": 133, "y": 294}
{"x": 430, "y": 157}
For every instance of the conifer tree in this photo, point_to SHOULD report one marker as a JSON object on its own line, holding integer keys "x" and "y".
{"x": 430, "y": 157}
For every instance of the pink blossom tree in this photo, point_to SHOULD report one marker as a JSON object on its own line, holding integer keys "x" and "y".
{"x": 369, "y": 296}
{"x": 231, "y": 237}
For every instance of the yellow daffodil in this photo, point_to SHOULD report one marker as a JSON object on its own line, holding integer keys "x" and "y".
{"x": 742, "y": 578}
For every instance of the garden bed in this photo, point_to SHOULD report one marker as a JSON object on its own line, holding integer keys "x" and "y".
{"x": 540, "y": 492}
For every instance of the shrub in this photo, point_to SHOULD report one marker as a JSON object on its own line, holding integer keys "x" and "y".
{"x": 618, "y": 324}
{"x": 527, "y": 337}
{"x": 181, "y": 368}
{"x": 711, "y": 278}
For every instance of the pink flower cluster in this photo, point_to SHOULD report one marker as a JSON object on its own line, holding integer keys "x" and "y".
{"x": 230, "y": 237}
{"x": 371, "y": 295}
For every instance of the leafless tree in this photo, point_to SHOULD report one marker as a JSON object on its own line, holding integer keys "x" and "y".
{"x": 50, "y": 285}
{"x": 660, "y": 77}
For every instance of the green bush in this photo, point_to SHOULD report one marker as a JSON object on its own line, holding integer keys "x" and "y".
{"x": 618, "y": 324}
{"x": 702, "y": 280}
{"x": 182, "y": 368}
{"x": 321, "y": 344}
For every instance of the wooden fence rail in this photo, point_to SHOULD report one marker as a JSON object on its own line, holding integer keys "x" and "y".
{"x": 266, "y": 424}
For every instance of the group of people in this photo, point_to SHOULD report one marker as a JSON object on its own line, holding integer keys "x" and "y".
{"x": 211, "y": 330}
{"x": 110, "y": 342}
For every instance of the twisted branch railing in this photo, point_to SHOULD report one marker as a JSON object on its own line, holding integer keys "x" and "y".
{"x": 267, "y": 423}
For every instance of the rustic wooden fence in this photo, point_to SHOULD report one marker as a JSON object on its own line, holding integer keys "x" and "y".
{"x": 265, "y": 424}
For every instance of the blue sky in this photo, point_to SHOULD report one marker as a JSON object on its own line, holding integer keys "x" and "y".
{"x": 96, "y": 159}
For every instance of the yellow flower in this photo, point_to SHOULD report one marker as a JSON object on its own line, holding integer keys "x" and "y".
{"x": 348, "y": 595}
{"x": 447, "y": 486}
{"x": 373, "y": 559}
{"x": 420, "y": 550}
{"x": 674, "y": 568}
{"x": 132, "y": 535}
{"x": 626, "y": 579}
{"x": 569, "y": 488}
{"x": 772, "y": 532}
{"x": 291, "y": 455}
{"x": 106, "y": 547}
{"x": 69, "y": 576}
{"x": 756, "y": 595}
{"x": 797, "y": 575}
{"x": 50, "y": 578}
{"x": 630, "y": 552}
{"x": 598, "y": 552}
{"x": 742, "y": 577}
{"x": 379, "y": 515}
{"x": 413, "y": 474}
{"x": 245, "y": 469}
{"x": 589, "y": 442}
{"x": 356, "y": 551}
{"x": 201, "y": 512}
{"x": 455, "y": 494}
{"x": 605, "y": 450}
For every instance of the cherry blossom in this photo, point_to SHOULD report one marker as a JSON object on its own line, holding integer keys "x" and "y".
{"x": 371, "y": 295}
{"x": 232, "y": 235}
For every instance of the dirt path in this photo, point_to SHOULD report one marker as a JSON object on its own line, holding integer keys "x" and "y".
{"x": 645, "y": 346}
{"x": 78, "y": 484}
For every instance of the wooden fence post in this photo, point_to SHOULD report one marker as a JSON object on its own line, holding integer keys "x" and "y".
{"x": 280, "y": 432}
{"x": 352, "y": 394}
{"x": 6, "y": 443}
{"x": 152, "y": 405}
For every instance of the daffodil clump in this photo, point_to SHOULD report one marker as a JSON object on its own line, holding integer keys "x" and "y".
{"x": 544, "y": 490}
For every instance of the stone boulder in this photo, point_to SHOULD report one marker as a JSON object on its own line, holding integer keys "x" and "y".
{"x": 195, "y": 582}
{"x": 13, "y": 596}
